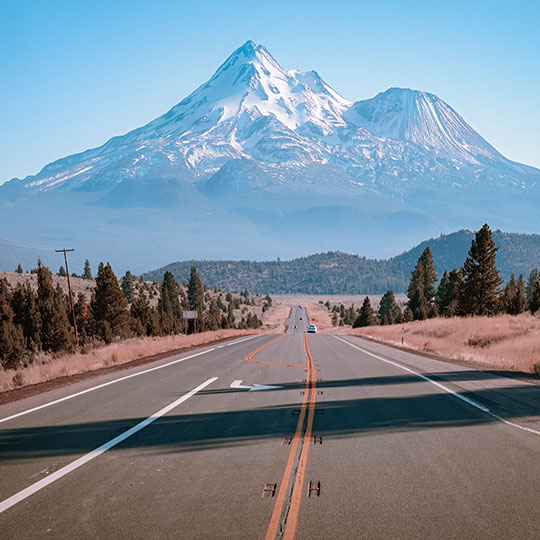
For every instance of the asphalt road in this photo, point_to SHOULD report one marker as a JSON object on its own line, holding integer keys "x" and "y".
{"x": 388, "y": 454}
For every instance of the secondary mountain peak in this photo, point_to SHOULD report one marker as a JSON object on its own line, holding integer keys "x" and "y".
{"x": 423, "y": 119}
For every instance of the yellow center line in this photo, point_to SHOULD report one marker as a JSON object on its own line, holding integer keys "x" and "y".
{"x": 308, "y": 404}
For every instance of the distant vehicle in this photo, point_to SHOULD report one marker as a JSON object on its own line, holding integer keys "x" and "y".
{"x": 300, "y": 318}
{"x": 312, "y": 329}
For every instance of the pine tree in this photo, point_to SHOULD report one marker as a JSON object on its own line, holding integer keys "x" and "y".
{"x": 87, "y": 272}
{"x": 11, "y": 335}
{"x": 109, "y": 306}
{"x": 230, "y": 316}
{"x": 367, "y": 315}
{"x": 213, "y": 318}
{"x": 513, "y": 297}
{"x": 421, "y": 289}
{"x": 534, "y": 300}
{"x": 56, "y": 333}
{"x": 196, "y": 295}
{"x": 19, "y": 269}
{"x": 62, "y": 272}
{"x": 449, "y": 293}
{"x": 482, "y": 281}
{"x": 83, "y": 315}
{"x": 144, "y": 316}
{"x": 389, "y": 310}
{"x": 127, "y": 285}
{"x": 534, "y": 276}
{"x": 350, "y": 316}
{"x": 169, "y": 308}
{"x": 26, "y": 315}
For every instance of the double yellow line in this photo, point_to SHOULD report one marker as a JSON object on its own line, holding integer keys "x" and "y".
{"x": 295, "y": 468}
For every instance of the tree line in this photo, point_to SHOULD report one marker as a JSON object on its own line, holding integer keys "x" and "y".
{"x": 335, "y": 272}
{"x": 39, "y": 320}
{"x": 472, "y": 289}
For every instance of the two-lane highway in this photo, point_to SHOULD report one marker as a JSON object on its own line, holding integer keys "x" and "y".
{"x": 348, "y": 439}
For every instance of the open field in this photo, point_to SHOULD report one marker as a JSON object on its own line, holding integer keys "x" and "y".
{"x": 346, "y": 299}
{"x": 505, "y": 342}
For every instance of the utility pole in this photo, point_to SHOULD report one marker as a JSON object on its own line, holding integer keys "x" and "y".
{"x": 70, "y": 297}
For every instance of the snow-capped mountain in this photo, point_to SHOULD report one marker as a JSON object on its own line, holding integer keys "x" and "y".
{"x": 258, "y": 148}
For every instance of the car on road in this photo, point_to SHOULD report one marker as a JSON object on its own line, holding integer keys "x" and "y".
{"x": 312, "y": 329}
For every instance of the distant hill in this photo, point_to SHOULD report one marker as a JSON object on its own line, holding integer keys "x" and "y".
{"x": 335, "y": 272}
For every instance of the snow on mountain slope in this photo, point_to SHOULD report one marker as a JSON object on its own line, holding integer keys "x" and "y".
{"x": 422, "y": 119}
{"x": 251, "y": 108}
{"x": 257, "y": 144}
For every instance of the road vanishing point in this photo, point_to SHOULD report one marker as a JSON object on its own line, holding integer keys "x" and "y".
{"x": 348, "y": 439}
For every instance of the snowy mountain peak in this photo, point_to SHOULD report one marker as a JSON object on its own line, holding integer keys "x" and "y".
{"x": 248, "y": 100}
{"x": 413, "y": 116}
{"x": 251, "y": 109}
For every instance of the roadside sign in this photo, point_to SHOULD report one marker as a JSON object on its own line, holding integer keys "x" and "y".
{"x": 189, "y": 314}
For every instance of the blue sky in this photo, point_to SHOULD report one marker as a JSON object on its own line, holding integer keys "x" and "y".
{"x": 74, "y": 74}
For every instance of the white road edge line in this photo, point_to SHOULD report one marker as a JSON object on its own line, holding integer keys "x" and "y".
{"x": 77, "y": 394}
{"x": 30, "y": 490}
{"x": 445, "y": 388}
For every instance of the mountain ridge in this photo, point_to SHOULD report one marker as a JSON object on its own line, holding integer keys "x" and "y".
{"x": 336, "y": 272}
{"x": 256, "y": 147}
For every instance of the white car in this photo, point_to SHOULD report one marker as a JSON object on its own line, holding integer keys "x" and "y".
{"x": 312, "y": 329}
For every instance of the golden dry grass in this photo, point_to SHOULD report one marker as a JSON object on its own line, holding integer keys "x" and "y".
{"x": 46, "y": 368}
{"x": 504, "y": 342}
{"x": 274, "y": 318}
{"x": 319, "y": 315}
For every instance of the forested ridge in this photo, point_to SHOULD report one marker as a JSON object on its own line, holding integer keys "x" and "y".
{"x": 336, "y": 272}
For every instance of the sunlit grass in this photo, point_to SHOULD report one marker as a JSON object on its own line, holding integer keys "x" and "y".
{"x": 504, "y": 342}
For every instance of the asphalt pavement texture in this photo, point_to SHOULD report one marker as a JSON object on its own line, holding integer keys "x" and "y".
{"x": 400, "y": 447}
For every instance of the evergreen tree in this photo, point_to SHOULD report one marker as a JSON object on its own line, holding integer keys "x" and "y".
{"x": 84, "y": 319}
{"x": 169, "y": 308}
{"x": 62, "y": 272}
{"x": 421, "y": 290}
{"x": 87, "y": 272}
{"x": 448, "y": 297}
{"x": 11, "y": 335}
{"x": 389, "y": 310}
{"x": 109, "y": 306}
{"x": 128, "y": 281}
{"x": 482, "y": 281}
{"x": 366, "y": 316}
{"x": 56, "y": 333}
{"x": 26, "y": 315}
{"x": 534, "y": 276}
{"x": 213, "y": 318}
{"x": 196, "y": 296}
{"x": 19, "y": 269}
{"x": 230, "y": 316}
{"x": 144, "y": 316}
{"x": 514, "y": 301}
{"x": 534, "y": 300}
{"x": 350, "y": 316}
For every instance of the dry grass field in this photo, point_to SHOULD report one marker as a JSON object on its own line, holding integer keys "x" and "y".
{"x": 346, "y": 299}
{"x": 503, "y": 342}
{"x": 48, "y": 368}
